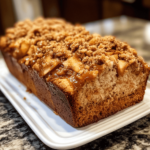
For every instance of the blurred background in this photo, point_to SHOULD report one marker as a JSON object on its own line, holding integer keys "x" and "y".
{"x": 75, "y": 11}
{"x": 127, "y": 20}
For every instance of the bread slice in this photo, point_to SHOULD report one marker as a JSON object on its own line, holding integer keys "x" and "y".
{"x": 83, "y": 77}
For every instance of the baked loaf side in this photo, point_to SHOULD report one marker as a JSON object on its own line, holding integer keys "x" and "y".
{"x": 83, "y": 77}
{"x": 47, "y": 92}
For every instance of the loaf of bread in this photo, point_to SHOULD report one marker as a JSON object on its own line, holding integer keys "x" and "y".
{"x": 82, "y": 77}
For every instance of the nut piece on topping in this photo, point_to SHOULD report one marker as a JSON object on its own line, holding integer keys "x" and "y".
{"x": 109, "y": 53}
{"x": 114, "y": 58}
{"x": 24, "y": 48}
{"x": 3, "y": 42}
{"x": 14, "y": 45}
{"x": 52, "y": 64}
{"x": 94, "y": 41}
{"x": 10, "y": 30}
{"x": 122, "y": 65}
{"x": 36, "y": 66}
{"x": 47, "y": 59}
{"x": 32, "y": 50}
{"x": 134, "y": 52}
{"x": 73, "y": 63}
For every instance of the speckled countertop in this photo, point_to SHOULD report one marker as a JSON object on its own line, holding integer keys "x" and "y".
{"x": 15, "y": 134}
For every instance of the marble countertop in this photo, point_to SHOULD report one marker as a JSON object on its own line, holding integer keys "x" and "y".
{"x": 15, "y": 134}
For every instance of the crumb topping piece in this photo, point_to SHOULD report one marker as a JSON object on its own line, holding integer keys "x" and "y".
{"x": 58, "y": 49}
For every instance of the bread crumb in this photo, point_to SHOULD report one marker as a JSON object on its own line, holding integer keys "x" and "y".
{"x": 28, "y": 90}
{"x": 55, "y": 112}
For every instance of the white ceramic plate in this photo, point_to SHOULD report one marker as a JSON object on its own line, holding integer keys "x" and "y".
{"x": 51, "y": 129}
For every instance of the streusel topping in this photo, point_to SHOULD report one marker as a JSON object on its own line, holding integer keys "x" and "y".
{"x": 58, "y": 49}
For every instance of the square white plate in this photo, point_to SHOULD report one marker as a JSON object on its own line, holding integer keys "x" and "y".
{"x": 50, "y": 128}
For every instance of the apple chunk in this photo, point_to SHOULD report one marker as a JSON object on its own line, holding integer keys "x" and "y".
{"x": 114, "y": 58}
{"x": 3, "y": 42}
{"x": 122, "y": 65}
{"x": 24, "y": 48}
{"x": 73, "y": 63}
{"x": 49, "y": 67}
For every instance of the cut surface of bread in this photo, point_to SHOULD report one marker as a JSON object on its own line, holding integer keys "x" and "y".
{"x": 108, "y": 94}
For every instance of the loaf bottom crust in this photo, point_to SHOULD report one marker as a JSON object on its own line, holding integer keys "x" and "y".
{"x": 95, "y": 112}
